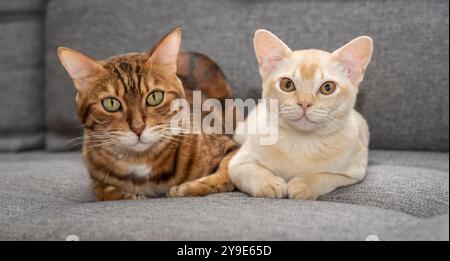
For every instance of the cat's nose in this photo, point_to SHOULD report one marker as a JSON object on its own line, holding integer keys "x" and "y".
{"x": 138, "y": 129}
{"x": 306, "y": 104}
{"x": 306, "y": 100}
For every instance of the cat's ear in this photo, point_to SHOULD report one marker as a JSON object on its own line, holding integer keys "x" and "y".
{"x": 165, "y": 52}
{"x": 79, "y": 66}
{"x": 354, "y": 57}
{"x": 270, "y": 51}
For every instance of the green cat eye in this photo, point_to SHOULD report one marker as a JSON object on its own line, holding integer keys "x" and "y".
{"x": 111, "y": 104}
{"x": 155, "y": 98}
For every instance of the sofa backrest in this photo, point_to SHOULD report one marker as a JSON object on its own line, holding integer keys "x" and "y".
{"x": 22, "y": 74}
{"x": 405, "y": 95}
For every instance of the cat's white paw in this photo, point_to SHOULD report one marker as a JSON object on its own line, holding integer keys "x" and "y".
{"x": 299, "y": 189}
{"x": 274, "y": 187}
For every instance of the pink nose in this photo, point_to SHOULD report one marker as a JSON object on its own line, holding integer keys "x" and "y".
{"x": 305, "y": 104}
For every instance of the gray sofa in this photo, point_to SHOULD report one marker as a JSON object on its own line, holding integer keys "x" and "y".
{"x": 44, "y": 187}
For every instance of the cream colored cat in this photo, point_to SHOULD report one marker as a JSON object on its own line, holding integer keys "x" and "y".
{"x": 323, "y": 140}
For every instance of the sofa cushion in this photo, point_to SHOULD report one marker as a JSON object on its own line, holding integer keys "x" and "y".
{"x": 405, "y": 95}
{"x": 22, "y": 6}
{"x": 22, "y": 75}
{"x": 412, "y": 182}
{"x": 48, "y": 196}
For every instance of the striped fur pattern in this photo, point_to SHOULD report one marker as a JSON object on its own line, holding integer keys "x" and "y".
{"x": 132, "y": 153}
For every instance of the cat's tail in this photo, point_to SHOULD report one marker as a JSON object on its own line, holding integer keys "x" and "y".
{"x": 198, "y": 72}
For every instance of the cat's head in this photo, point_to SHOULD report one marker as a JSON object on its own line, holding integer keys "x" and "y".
{"x": 316, "y": 90}
{"x": 124, "y": 102}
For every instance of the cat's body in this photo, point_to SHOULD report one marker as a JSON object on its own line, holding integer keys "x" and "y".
{"x": 150, "y": 174}
{"x": 322, "y": 141}
{"x": 124, "y": 103}
{"x": 298, "y": 154}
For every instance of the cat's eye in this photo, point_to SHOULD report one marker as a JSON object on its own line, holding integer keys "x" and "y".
{"x": 111, "y": 104}
{"x": 287, "y": 85}
{"x": 328, "y": 88}
{"x": 155, "y": 98}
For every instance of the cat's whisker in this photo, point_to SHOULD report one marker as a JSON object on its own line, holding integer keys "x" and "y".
{"x": 176, "y": 131}
{"x": 328, "y": 125}
{"x": 174, "y": 139}
{"x": 333, "y": 124}
{"x": 165, "y": 135}
{"x": 77, "y": 139}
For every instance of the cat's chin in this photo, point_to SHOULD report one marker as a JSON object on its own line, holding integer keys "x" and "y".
{"x": 302, "y": 124}
{"x": 140, "y": 147}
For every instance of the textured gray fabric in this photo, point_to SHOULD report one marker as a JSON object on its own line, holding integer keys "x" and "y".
{"x": 405, "y": 96}
{"x": 22, "y": 5}
{"x": 47, "y": 196}
{"x": 219, "y": 217}
{"x": 21, "y": 75}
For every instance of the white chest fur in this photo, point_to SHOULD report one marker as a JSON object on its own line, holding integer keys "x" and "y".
{"x": 300, "y": 157}
{"x": 295, "y": 154}
{"x": 140, "y": 170}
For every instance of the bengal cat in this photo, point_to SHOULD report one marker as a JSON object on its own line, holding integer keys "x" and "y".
{"x": 124, "y": 104}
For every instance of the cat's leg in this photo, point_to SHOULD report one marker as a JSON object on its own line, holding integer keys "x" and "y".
{"x": 257, "y": 181}
{"x": 312, "y": 186}
{"x": 105, "y": 192}
{"x": 214, "y": 183}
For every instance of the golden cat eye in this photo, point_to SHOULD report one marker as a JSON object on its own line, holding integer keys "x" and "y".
{"x": 287, "y": 85}
{"x": 111, "y": 104}
{"x": 327, "y": 88}
{"x": 155, "y": 98}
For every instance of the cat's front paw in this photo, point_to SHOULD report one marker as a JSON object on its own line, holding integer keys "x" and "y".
{"x": 274, "y": 187}
{"x": 138, "y": 197}
{"x": 112, "y": 196}
{"x": 175, "y": 191}
{"x": 299, "y": 189}
{"x": 186, "y": 189}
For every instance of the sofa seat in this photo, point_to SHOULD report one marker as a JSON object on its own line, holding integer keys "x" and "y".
{"x": 47, "y": 196}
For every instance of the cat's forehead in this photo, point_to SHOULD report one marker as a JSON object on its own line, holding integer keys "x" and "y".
{"x": 308, "y": 65}
{"x": 126, "y": 62}
{"x": 125, "y": 75}
{"x": 311, "y": 54}
{"x": 131, "y": 58}
{"x": 128, "y": 76}
{"x": 310, "y": 59}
